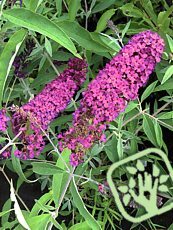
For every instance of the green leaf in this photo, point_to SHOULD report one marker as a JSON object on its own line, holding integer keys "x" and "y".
{"x": 7, "y": 57}
{"x": 17, "y": 167}
{"x": 61, "y": 120}
{"x": 102, "y": 23}
{"x": 6, "y": 206}
{"x": 124, "y": 31}
{"x": 163, "y": 178}
{"x": 96, "y": 149}
{"x": 168, "y": 74}
{"x": 166, "y": 86}
{"x": 170, "y": 42}
{"x": 59, "y": 6}
{"x": 170, "y": 227}
{"x": 111, "y": 149}
{"x": 131, "y": 105}
{"x": 166, "y": 115}
{"x": 34, "y": 4}
{"x": 140, "y": 166}
{"x": 148, "y": 7}
{"x": 132, "y": 11}
{"x": 148, "y": 91}
{"x": 123, "y": 188}
{"x": 158, "y": 132}
{"x": 5, "y": 212}
{"x": 132, "y": 182}
{"x": 156, "y": 171}
{"x": 102, "y": 5}
{"x": 32, "y": 21}
{"x": 59, "y": 180}
{"x": 131, "y": 170}
{"x": 107, "y": 40}
{"x": 41, "y": 221}
{"x": 149, "y": 130}
{"x": 120, "y": 148}
{"x": 43, "y": 200}
{"x": 56, "y": 224}
{"x": 9, "y": 225}
{"x": 81, "y": 36}
{"x": 17, "y": 209}
{"x": 163, "y": 188}
{"x": 80, "y": 226}
{"x": 126, "y": 199}
{"x": 164, "y": 20}
{"x": 48, "y": 46}
{"x": 47, "y": 169}
{"x": 73, "y": 8}
{"x": 81, "y": 207}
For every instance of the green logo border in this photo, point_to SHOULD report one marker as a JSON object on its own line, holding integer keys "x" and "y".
{"x": 116, "y": 194}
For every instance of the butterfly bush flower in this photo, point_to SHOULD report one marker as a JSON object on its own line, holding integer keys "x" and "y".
{"x": 21, "y": 62}
{"x": 37, "y": 114}
{"x": 109, "y": 93}
{"x": 3, "y": 120}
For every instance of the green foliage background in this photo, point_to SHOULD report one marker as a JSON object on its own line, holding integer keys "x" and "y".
{"x": 62, "y": 29}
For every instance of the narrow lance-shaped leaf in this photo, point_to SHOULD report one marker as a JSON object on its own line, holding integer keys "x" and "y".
{"x": 101, "y": 25}
{"x": 44, "y": 168}
{"x": 6, "y": 206}
{"x": 58, "y": 6}
{"x": 17, "y": 209}
{"x": 81, "y": 36}
{"x": 125, "y": 29}
{"x": 5, "y": 212}
{"x": 159, "y": 135}
{"x": 43, "y": 200}
{"x": 81, "y": 207}
{"x": 148, "y": 128}
{"x": 41, "y": 221}
{"x": 60, "y": 180}
{"x": 79, "y": 226}
{"x": 34, "y": 4}
{"x": 102, "y": 5}
{"x": 7, "y": 57}
{"x": 170, "y": 41}
{"x": 32, "y": 21}
{"x": 17, "y": 167}
{"x": 73, "y": 8}
{"x": 148, "y": 91}
{"x": 168, "y": 74}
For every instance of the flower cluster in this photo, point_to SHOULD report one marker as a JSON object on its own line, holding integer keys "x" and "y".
{"x": 21, "y": 62}
{"x": 3, "y": 120}
{"x": 5, "y": 154}
{"x": 36, "y": 115}
{"x": 108, "y": 94}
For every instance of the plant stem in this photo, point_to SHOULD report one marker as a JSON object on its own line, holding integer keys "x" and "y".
{"x": 51, "y": 63}
{"x": 86, "y": 15}
{"x": 55, "y": 148}
{"x": 22, "y": 202}
{"x": 47, "y": 56}
{"x": 10, "y": 143}
{"x": 11, "y": 89}
{"x": 65, "y": 5}
{"x": 27, "y": 88}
